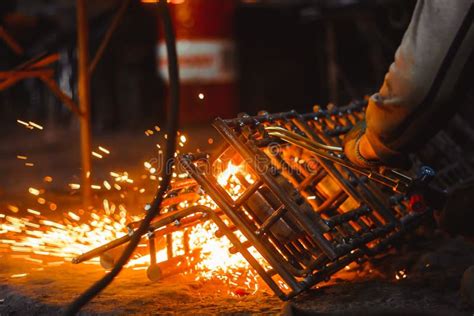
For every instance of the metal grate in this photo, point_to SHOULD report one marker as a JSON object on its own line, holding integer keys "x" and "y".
{"x": 308, "y": 212}
{"x": 308, "y": 216}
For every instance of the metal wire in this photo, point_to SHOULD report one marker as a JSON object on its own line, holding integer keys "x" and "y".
{"x": 276, "y": 131}
{"x": 315, "y": 147}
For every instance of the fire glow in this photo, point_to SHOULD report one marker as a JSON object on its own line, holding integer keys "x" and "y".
{"x": 41, "y": 241}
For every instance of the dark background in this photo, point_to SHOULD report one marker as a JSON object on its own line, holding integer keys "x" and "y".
{"x": 282, "y": 50}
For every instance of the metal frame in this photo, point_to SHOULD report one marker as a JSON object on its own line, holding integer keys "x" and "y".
{"x": 304, "y": 241}
{"x": 307, "y": 215}
{"x": 38, "y": 68}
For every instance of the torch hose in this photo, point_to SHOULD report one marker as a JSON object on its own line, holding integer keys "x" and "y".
{"x": 166, "y": 172}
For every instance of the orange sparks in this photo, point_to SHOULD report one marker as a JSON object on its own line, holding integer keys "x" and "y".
{"x": 97, "y": 155}
{"x": 36, "y": 237}
{"x": 22, "y": 123}
{"x": 401, "y": 275}
{"x": 34, "y": 191}
{"x": 35, "y": 125}
{"x": 104, "y": 150}
{"x": 34, "y": 212}
{"x": 20, "y": 275}
{"x": 30, "y": 124}
{"x": 73, "y": 216}
{"x": 13, "y": 208}
{"x": 48, "y": 179}
{"x": 107, "y": 185}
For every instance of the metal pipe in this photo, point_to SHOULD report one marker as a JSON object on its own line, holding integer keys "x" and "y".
{"x": 84, "y": 98}
{"x": 152, "y": 248}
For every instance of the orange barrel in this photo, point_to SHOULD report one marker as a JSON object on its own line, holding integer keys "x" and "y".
{"x": 206, "y": 56}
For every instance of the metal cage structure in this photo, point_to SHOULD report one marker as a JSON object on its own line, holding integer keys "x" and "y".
{"x": 297, "y": 210}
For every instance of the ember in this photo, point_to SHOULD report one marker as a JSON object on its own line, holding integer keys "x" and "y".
{"x": 41, "y": 240}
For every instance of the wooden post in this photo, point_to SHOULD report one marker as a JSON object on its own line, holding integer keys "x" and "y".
{"x": 84, "y": 98}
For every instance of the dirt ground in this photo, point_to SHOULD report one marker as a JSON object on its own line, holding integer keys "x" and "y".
{"x": 430, "y": 288}
{"x": 433, "y": 266}
{"x": 47, "y": 292}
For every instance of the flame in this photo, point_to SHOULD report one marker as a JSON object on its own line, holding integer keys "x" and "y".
{"x": 48, "y": 242}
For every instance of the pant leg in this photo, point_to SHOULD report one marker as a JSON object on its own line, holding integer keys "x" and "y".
{"x": 430, "y": 69}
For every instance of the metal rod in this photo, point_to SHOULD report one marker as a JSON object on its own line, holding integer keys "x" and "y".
{"x": 272, "y": 219}
{"x": 247, "y": 193}
{"x": 20, "y": 74}
{"x": 64, "y": 98}
{"x": 250, "y": 157}
{"x": 108, "y": 35}
{"x": 152, "y": 248}
{"x": 84, "y": 98}
{"x": 243, "y": 227}
{"x": 394, "y": 184}
{"x": 169, "y": 246}
{"x": 276, "y": 130}
{"x": 10, "y": 40}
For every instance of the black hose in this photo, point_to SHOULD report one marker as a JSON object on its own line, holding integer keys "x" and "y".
{"x": 165, "y": 173}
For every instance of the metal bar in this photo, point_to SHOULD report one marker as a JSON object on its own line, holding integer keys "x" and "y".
{"x": 250, "y": 157}
{"x": 159, "y": 228}
{"x": 272, "y": 219}
{"x": 152, "y": 248}
{"x": 45, "y": 61}
{"x": 267, "y": 253}
{"x": 336, "y": 175}
{"x": 84, "y": 98}
{"x": 248, "y": 192}
{"x": 5, "y": 84}
{"x": 373, "y": 175}
{"x": 100, "y": 250}
{"x": 348, "y": 216}
{"x": 262, "y": 245}
{"x": 11, "y": 42}
{"x": 64, "y": 98}
{"x": 21, "y": 74}
{"x": 108, "y": 35}
{"x": 276, "y": 130}
{"x": 186, "y": 241}
{"x": 38, "y": 61}
{"x": 169, "y": 246}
